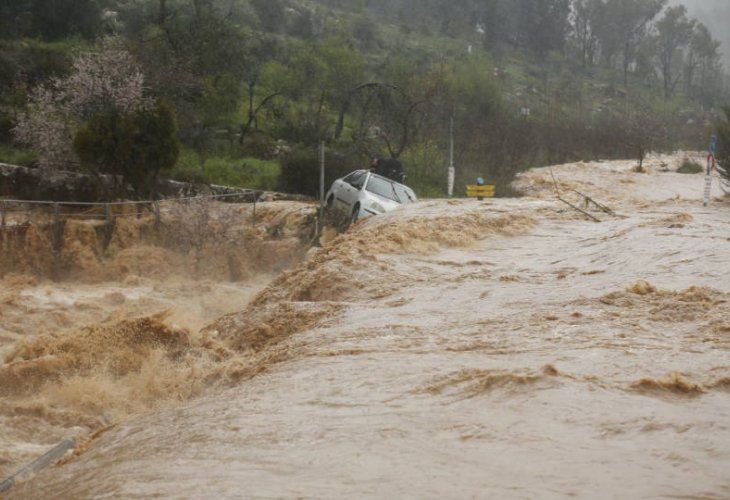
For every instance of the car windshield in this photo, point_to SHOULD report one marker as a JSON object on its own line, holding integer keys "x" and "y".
{"x": 404, "y": 193}
{"x": 384, "y": 188}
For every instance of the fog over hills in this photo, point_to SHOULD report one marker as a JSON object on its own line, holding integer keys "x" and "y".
{"x": 715, "y": 14}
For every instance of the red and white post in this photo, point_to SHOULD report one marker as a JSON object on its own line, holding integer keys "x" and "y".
{"x": 710, "y": 168}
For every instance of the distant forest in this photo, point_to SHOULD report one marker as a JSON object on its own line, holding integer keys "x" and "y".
{"x": 241, "y": 92}
{"x": 715, "y": 14}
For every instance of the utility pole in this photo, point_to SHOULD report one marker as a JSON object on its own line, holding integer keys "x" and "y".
{"x": 321, "y": 181}
{"x": 710, "y": 168}
{"x": 452, "y": 170}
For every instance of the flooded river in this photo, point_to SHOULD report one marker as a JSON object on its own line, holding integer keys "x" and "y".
{"x": 511, "y": 348}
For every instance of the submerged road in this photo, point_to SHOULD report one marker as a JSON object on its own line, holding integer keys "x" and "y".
{"x": 531, "y": 353}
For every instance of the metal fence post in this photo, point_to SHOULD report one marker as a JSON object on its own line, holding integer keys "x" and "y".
{"x": 56, "y": 227}
{"x": 254, "y": 207}
{"x": 156, "y": 211}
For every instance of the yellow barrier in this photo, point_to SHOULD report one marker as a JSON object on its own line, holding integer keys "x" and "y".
{"x": 480, "y": 191}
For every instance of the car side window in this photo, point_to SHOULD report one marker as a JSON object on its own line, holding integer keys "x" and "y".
{"x": 356, "y": 179}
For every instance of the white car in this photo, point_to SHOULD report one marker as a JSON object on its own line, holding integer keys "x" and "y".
{"x": 363, "y": 193}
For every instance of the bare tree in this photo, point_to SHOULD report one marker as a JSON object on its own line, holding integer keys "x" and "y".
{"x": 646, "y": 133}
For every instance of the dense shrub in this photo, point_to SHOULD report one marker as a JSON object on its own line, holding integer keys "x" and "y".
{"x": 300, "y": 169}
{"x": 136, "y": 146}
{"x": 17, "y": 156}
{"x": 690, "y": 167}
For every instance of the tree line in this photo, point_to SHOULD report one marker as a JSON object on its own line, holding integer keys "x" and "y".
{"x": 193, "y": 87}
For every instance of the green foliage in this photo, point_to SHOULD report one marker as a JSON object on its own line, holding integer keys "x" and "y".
{"x": 245, "y": 172}
{"x": 188, "y": 168}
{"x": 221, "y": 95}
{"x": 475, "y": 92}
{"x": 50, "y": 20}
{"x": 270, "y": 13}
{"x": 364, "y": 30}
{"x": 249, "y": 79}
{"x": 300, "y": 172}
{"x": 425, "y": 166}
{"x": 23, "y": 65}
{"x": 673, "y": 31}
{"x": 300, "y": 169}
{"x": 18, "y": 156}
{"x": 242, "y": 172}
{"x": 135, "y": 145}
{"x": 690, "y": 167}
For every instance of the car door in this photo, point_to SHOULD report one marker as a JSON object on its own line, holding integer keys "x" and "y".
{"x": 350, "y": 187}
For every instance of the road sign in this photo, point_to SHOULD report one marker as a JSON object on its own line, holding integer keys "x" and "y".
{"x": 480, "y": 190}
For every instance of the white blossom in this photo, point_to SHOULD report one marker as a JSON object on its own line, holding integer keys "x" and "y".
{"x": 109, "y": 81}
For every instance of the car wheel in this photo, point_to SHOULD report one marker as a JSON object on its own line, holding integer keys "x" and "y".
{"x": 330, "y": 200}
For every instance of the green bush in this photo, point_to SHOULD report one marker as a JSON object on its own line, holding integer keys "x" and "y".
{"x": 260, "y": 146}
{"x": 189, "y": 167}
{"x": 135, "y": 145}
{"x": 426, "y": 168}
{"x": 300, "y": 172}
{"x": 690, "y": 167}
{"x": 300, "y": 169}
{"x": 226, "y": 171}
{"x": 241, "y": 172}
{"x": 18, "y": 156}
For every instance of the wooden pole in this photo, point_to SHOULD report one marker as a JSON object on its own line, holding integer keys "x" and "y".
{"x": 579, "y": 210}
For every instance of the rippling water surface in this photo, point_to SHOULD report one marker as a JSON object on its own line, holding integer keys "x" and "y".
{"x": 505, "y": 349}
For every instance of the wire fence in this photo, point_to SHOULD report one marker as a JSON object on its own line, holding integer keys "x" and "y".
{"x": 20, "y": 212}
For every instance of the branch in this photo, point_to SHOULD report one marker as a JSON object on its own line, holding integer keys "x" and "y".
{"x": 252, "y": 115}
{"x": 405, "y": 137}
{"x": 346, "y": 104}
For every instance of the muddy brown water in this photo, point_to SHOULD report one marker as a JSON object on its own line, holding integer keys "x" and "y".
{"x": 505, "y": 349}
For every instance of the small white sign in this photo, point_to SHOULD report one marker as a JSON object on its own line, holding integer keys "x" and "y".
{"x": 452, "y": 173}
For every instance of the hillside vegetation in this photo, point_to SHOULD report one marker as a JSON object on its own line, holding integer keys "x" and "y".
{"x": 241, "y": 92}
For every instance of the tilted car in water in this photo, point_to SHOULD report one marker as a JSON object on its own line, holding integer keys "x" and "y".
{"x": 363, "y": 193}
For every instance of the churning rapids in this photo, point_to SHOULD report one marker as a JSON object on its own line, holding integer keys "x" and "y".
{"x": 509, "y": 348}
